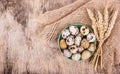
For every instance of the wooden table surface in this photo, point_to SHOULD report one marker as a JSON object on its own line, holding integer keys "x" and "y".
{"x": 29, "y": 31}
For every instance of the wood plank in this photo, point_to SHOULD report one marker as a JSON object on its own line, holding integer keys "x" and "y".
{"x": 28, "y": 36}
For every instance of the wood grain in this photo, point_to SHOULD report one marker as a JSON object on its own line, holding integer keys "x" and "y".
{"x": 28, "y": 36}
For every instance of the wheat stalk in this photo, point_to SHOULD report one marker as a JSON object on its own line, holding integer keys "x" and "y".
{"x": 102, "y": 25}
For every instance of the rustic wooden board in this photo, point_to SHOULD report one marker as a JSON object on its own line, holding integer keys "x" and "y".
{"x": 29, "y": 31}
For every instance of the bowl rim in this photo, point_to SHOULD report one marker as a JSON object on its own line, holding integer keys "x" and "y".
{"x": 75, "y": 24}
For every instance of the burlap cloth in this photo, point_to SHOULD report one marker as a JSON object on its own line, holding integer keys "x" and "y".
{"x": 29, "y": 31}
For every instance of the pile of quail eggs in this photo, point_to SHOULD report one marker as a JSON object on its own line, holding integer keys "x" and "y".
{"x": 77, "y": 42}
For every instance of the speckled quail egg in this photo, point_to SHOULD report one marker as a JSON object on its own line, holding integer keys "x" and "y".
{"x": 92, "y": 47}
{"x": 73, "y": 49}
{"x": 86, "y": 54}
{"x": 77, "y": 40}
{"x": 65, "y": 33}
{"x": 84, "y": 30}
{"x": 67, "y": 53}
{"x": 63, "y": 44}
{"x": 85, "y": 43}
{"x": 80, "y": 49}
{"x": 91, "y": 37}
{"x": 76, "y": 57}
{"x": 70, "y": 40}
{"x": 74, "y": 30}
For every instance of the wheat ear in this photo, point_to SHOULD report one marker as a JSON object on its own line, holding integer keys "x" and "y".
{"x": 111, "y": 24}
{"x": 92, "y": 18}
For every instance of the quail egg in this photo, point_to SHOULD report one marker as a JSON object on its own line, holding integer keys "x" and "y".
{"x": 84, "y": 30}
{"x": 73, "y": 49}
{"x": 74, "y": 30}
{"x": 91, "y": 37}
{"x": 63, "y": 44}
{"x": 80, "y": 49}
{"x": 76, "y": 56}
{"x": 92, "y": 47}
{"x": 70, "y": 40}
{"x": 86, "y": 54}
{"x": 67, "y": 53}
{"x": 85, "y": 43}
{"x": 77, "y": 40}
{"x": 65, "y": 33}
